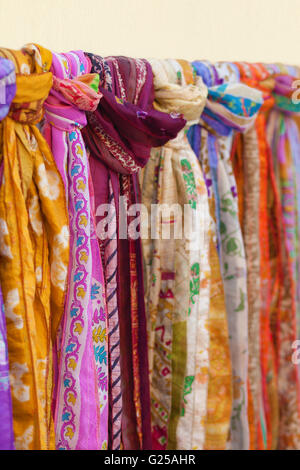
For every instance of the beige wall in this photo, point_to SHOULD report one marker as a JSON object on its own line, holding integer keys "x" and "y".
{"x": 252, "y": 30}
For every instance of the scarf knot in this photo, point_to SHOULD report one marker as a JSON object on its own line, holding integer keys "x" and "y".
{"x": 81, "y": 91}
{"x": 277, "y": 82}
{"x": 33, "y": 82}
{"x": 230, "y": 105}
{"x": 125, "y": 126}
{"x": 32, "y": 90}
{"x": 71, "y": 95}
{"x": 256, "y": 76}
{"x": 183, "y": 99}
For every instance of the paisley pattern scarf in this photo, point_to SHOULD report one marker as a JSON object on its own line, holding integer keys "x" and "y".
{"x": 34, "y": 249}
{"x": 7, "y": 93}
{"x": 119, "y": 135}
{"x": 80, "y": 400}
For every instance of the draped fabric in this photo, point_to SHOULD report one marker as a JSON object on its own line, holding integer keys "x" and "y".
{"x": 81, "y": 394}
{"x": 230, "y": 107}
{"x": 285, "y": 120}
{"x": 7, "y": 93}
{"x": 285, "y": 148}
{"x": 219, "y": 399}
{"x": 184, "y": 330}
{"x": 275, "y": 403}
{"x": 119, "y": 135}
{"x": 177, "y": 332}
{"x": 34, "y": 249}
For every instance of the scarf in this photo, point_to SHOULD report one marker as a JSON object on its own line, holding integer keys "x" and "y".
{"x": 7, "y": 93}
{"x": 34, "y": 251}
{"x": 177, "y": 308}
{"x": 80, "y": 399}
{"x": 283, "y": 136}
{"x": 230, "y": 106}
{"x": 119, "y": 136}
{"x": 276, "y": 418}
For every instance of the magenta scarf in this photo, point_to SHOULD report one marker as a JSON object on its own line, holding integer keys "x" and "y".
{"x": 119, "y": 135}
{"x": 80, "y": 395}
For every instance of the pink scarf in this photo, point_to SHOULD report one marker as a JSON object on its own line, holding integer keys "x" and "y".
{"x": 80, "y": 395}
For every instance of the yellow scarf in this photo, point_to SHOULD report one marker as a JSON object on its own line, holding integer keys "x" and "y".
{"x": 219, "y": 400}
{"x": 34, "y": 249}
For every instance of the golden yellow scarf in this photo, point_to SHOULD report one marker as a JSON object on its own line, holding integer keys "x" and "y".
{"x": 34, "y": 249}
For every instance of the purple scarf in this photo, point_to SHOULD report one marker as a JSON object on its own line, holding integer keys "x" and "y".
{"x": 7, "y": 93}
{"x": 119, "y": 135}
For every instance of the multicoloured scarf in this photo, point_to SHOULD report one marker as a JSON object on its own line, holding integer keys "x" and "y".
{"x": 81, "y": 394}
{"x": 284, "y": 138}
{"x": 219, "y": 395}
{"x": 34, "y": 250}
{"x": 273, "y": 399}
{"x": 178, "y": 272}
{"x": 230, "y": 106}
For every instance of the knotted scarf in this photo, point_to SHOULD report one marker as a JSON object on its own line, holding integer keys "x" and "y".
{"x": 34, "y": 250}
{"x": 119, "y": 135}
{"x": 81, "y": 394}
{"x": 284, "y": 139}
{"x": 7, "y": 93}
{"x": 289, "y": 127}
{"x": 230, "y": 106}
{"x": 177, "y": 307}
{"x": 274, "y": 402}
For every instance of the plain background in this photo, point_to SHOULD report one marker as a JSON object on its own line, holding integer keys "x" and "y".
{"x": 250, "y": 30}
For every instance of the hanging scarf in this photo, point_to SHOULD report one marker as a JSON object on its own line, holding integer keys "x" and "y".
{"x": 219, "y": 399}
{"x": 284, "y": 138}
{"x": 230, "y": 106}
{"x": 80, "y": 402}
{"x": 119, "y": 136}
{"x": 277, "y": 309}
{"x": 190, "y": 430}
{"x": 34, "y": 251}
{"x": 209, "y": 431}
{"x": 177, "y": 306}
{"x": 282, "y": 93}
{"x": 7, "y": 93}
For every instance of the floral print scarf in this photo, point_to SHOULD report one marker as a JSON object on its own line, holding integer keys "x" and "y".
{"x": 34, "y": 249}
{"x": 81, "y": 395}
